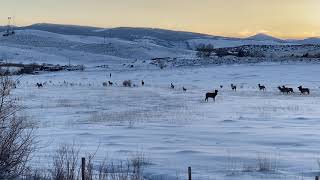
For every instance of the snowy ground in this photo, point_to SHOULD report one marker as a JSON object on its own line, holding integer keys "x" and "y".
{"x": 220, "y": 140}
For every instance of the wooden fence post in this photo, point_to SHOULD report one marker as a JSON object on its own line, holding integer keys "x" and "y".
{"x": 189, "y": 173}
{"x": 83, "y": 168}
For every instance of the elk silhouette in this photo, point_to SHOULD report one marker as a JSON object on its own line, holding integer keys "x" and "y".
{"x": 233, "y": 87}
{"x": 211, "y": 95}
{"x": 261, "y": 87}
{"x": 304, "y": 90}
{"x": 184, "y": 89}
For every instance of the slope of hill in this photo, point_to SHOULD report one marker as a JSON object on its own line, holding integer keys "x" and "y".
{"x": 62, "y": 29}
{"x": 127, "y": 33}
{"x": 264, "y": 37}
{"x": 228, "y": 42}
{"x": 41, "y": 46}
{"x": 312, "y": 40}
{"x": 91, "y": 46}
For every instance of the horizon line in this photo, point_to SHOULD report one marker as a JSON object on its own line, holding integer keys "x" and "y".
{"x": 177, "y": 30}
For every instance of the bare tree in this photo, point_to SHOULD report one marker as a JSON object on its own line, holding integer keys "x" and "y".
{"x": 17, "y": 134}
{"x": 204, "y": 51}
{"x": 65, "y": 163}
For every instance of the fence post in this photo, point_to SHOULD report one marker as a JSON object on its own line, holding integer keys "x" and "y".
{"x": 83, "y": 168}
{"x": 189, "y": 173}
{"x": 317, "y": 177}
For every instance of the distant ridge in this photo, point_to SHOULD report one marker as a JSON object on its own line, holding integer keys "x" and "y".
{"x": 312, "y": 40}
{"x": 264, "y": 37}
{"x": 127, "y": 33}
{"x": 156, "y": 34}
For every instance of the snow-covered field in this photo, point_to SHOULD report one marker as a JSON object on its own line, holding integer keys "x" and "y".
{"x": 175, "y": 129}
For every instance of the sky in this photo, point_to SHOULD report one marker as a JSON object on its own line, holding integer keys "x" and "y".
{"x": 237, "y": 18}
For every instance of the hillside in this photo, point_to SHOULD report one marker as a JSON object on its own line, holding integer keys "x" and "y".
{"x": 41, "y": 46}
{"x": 117, "y": 47}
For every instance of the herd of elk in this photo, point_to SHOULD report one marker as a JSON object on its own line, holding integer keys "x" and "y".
{"x": 285, "y": 89}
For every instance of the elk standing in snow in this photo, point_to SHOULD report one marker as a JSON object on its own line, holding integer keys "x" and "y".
{"x": 304, "y": 90}
{"x": 211, "y": 95}
{"x": 261, "y": 87}
{"x": 184, "y": 89}
{"x": 233, "y": 87}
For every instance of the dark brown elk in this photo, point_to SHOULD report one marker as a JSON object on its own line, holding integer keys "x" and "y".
{"x": 172, "y": 86}
{"x": 39, "y": 85}
{"x": 261, "y": 87}
{"x": 281, "y": 89}
{"x": 211, "y": 95}
{"x": 233, "y": 87}
{"x": 284, "y": 89}
{"x": 184, "y": 89}
{"x": 304, "y": 90}
{"x": 288, "y": 90}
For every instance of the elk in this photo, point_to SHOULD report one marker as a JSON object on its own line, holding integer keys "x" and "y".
{"x": 304, "y": 90}
{"x": 184, "y": 89}
{"x": 211, "y": 95}
{"x": 261, "y": 87}
{"x": 39, "y": 85}
{"x": 288, "y": 90}
{"x": 284, "y": 89}
{"x": 233, "y": 87}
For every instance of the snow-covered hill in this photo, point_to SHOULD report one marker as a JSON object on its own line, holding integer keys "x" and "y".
{"x": 92, "y": 46}
{"x": 232, "y": 42}
{"x": 127, "y": 33}
{"x": 42, "y": 46}
{"x": 312, "y": 40}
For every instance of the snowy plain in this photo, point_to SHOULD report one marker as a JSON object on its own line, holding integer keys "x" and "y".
{"x": 175, "y": 129}
{"x": 226, "y": 139}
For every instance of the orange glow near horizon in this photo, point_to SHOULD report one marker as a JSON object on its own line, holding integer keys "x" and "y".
{"x": 237, "y": 18}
